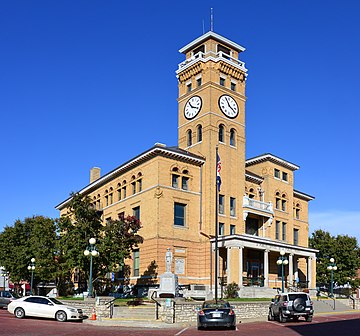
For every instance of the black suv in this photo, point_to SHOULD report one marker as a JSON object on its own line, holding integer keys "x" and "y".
{"x": 291, "y": 305}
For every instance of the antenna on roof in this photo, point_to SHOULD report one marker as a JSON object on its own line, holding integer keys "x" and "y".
{"x": 203, "y": 26}
{"x": 211, "y": 20}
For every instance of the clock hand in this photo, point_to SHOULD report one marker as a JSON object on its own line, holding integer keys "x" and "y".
{"x": 192, "y": 106}
{"x": 229, "y": 104}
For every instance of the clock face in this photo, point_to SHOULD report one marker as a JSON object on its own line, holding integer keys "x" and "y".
{"x": 228, "y": 106}
{"x": 192, "y": 107}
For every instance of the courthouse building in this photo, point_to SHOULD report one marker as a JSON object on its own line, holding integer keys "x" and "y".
{"x": 173, "y": 190}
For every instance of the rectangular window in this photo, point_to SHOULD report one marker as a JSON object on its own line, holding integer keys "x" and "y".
{"x": 124, "y": 192}
{"x": 111, "y": 198}
{"x": 136, "y": 266}
{"x": 179, "y": 214}
{"x": 283, "y": 205}
{"x": 283, "y": 231}
{"x": 277, "y": 230}
{"x": 133, "y": 186}
{"x": 233, "y": 87}
{"x": 179, "y": 265}
{"x": 276, "y": 173}
{"x": 277, "y": 203}
{"x": 221, "y": 204}
{"x": 185, "y": 183}
{"x": 221, "y": 229}
{"x": 119, "y": 194}
{"x": 175, "y": 181}
{"x": 222, "y": 81}
{"x": 106, "y": 200}
{"x": 98, "y": 204}
{"x": 188, "y": 87}
{"x": 232, "y": 207}
{"x": 121, "y": 215}
{"x": 139, "y": 183}
{"x": 296, "y": 237}
{"x": 232, "y": 229}
{"x": 284, "y": 176}
{"x": 198, "y": 82}
{"x": 297, "y": 213}
{"x": 136, "y": 212}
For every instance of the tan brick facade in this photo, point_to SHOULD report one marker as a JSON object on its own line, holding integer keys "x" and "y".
{"x": 174, "y": 188}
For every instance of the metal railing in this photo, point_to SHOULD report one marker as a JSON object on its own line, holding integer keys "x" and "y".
{"x": 110, "y": 305}
{"x": 253, "y": 281}
{"x": 258, "y": 205}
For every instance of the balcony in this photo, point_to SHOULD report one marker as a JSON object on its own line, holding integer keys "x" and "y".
{"x": 253, "y": 204}
{"x": 200, "y": 56}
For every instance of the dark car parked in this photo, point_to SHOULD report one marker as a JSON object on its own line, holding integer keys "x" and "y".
{"x": 6, "y": 297}
{"x": 291, "y": 305}
{"x": 216, "y": 314}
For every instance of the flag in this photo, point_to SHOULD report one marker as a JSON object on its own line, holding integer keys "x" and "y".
{"x": 218, "y": 169}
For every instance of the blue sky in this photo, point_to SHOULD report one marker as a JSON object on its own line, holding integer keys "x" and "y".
{"x": 88, "y": 83}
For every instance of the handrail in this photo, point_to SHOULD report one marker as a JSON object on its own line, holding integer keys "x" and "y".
{"x": 157, "y": 305}
{"x": 353, "y": 301}
{"x": 110, "y": 305}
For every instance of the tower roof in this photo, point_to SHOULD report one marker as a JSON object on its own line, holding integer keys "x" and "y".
{"x": 215, "y": 36}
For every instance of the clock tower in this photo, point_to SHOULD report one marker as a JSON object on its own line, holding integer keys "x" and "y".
{"x": 211, "y": 102}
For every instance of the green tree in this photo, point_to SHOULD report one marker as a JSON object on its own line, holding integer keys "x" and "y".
{"x": 343, "y": 249}
{"x": 115, "y": 241}
{"x": 35, "y": 237}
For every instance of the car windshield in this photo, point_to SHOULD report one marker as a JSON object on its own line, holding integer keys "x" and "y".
{"x": 55, "y": 301}
{"x": 215, "y": 305}
{"x": 293, "y": 297}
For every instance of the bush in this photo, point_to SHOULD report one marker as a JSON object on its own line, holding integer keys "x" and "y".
{"x": 231, "y": 290}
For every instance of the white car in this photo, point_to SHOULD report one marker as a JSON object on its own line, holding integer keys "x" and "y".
{"x": 42, "y": 306}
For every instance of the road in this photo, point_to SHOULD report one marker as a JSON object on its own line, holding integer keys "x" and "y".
{"x": 322, "y": 325}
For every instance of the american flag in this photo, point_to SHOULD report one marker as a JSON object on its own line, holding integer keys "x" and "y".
{"x": 218, "y": 169}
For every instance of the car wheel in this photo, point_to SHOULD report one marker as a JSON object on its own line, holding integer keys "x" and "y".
{"x": 282, "y": 318}
{"x": 296, "y": 318}
{"x": 61, "y": 316}
{"x": 308, "y": 318}
{"x": 19, "y": 313}
{"x": 271, "y": 316}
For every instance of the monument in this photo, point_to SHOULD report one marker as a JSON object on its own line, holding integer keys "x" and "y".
{"x": 168, "y": 280}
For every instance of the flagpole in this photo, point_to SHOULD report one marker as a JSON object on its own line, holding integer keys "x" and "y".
{"x": 216, "y": 225}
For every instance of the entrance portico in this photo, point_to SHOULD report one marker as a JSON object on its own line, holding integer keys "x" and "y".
{"x": 251, "y": 261}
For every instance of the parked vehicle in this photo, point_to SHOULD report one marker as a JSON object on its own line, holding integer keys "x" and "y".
{"x": 42, "y": 306}
{"x": 6, "y": 297}
{"x": 291, "y": 305}
{"x": 216, "y": 314}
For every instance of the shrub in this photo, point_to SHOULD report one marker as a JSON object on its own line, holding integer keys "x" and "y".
{"x": 231, "y": 290}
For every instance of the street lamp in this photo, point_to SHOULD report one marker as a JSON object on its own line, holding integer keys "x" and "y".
{"x": 31, "y": 268}
{"x": 282, "y": 261}
{"x": 332, "y": 267}
{"x": 91, "y": 250}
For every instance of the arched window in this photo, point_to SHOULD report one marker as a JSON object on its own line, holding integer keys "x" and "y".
{"x": 199, "y": 133}
{"x": 189, "y": 138}
{"x": 221, "y": 133}
{"x": 232, "y": 137}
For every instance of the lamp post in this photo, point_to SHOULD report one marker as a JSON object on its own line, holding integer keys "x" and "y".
{"x": 31, "y": 268}
{"x": 332, "y": 267}
{"x": 91, "y": 250}
{"x": 282, "y": 261}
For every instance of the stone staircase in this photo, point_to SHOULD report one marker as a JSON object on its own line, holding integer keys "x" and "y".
{"x": 327, "y": 305}
{"x": 144, "y": 312}
{"x": 257, "y": 292}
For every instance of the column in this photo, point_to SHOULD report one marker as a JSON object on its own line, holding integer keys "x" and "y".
{"x": 241, "y": 266}
{"x": 228, "y": 265}
{"x": 309, "y": 272}
{"x": 291, "y": 269}
{"x": 266, "y": 268}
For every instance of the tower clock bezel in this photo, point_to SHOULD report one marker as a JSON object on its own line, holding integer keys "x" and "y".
{"x": 191, "y": 111}
{"x": 228, "y": 106}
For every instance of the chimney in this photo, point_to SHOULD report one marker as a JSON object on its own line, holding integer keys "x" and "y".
{"x": 94, "y": 174}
